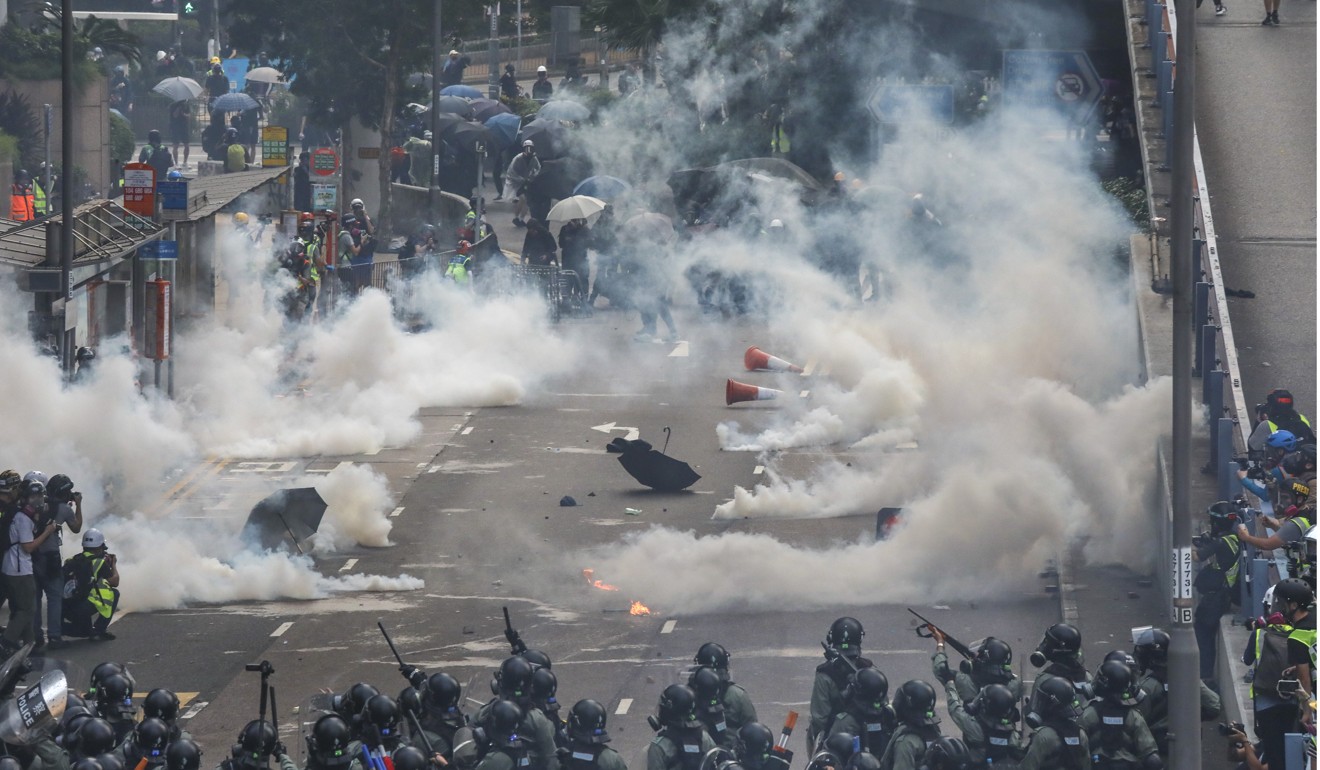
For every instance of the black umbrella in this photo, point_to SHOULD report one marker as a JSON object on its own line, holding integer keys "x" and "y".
{"x": 552, "y": 138}
{"x": 466, "y": 136}
{"x": 456, "y": 105}
{"x": 289, "y": 513}
{"x": 653, "y": 469}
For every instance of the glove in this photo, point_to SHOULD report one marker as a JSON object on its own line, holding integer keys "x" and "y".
{"x": 1242, "y": 463}
{"x": 280, "y": 749}
{"x": 415, "y": 676}
{"x": 943, "y": 673}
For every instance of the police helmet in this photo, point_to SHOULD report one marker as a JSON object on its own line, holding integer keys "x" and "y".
{"x": 114, "y": 697}
{"x": 1061, "y": 642}
{"x": 947, "y": 753}
{"x": 95, "y": 736}
{"x": 161, "y": 704}
{"x": 258, "y": 739}
{"x": 1285, "y": 440}
{"x": 705, "y": 682}
{"x": 330, "y": 739}
{"x": 712, "y": 655}
{"x": 1124, "y": 657}
{"x": 410, "y": 701}
{"x": 151, "y": 736}
{"x": 110, "y": 761}
{"x": 1151, "y": 649}
{"x": 544, "y": 685}
{"x": 842, "y": 745}
{"x": 60, "y": 488}
{"x": 183, "y": 754}
{"x": 995, "y": 655}
{"x": 350, "y": 704}
{"x": 862, "y": 760}
{"x": 443, "y": 692}
{"x": 85, "y": 763}
{"x": 757, "y": 742}
{"x": 505, "y": 718}
{"x": 995, "y": 705}
{"x": 870, "y": 690}
{"x": 382, "y": 713}
{"x": 845, "y": 635}
{"x": 678, "y": 707}
{"x": 513, "y": 678}
{"x": 586, "y": 722}
{"x": 537, "y": 658}
{"x": 1058, "y": 700}
{"x": 409, "y": 758}
{"x": 1114, "y": 683}
{"x": 914, "y": 704}
{"x": 75, "y": 713}
{"x": 1292, "y": 590}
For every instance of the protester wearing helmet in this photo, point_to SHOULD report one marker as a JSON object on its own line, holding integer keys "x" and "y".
{"x": 738, "y": 708}
{"x": 1296, "y": 518}
{"x": 91, "y": 604}
{"x": 918, "y": 726}
{"x": 1217, "y": 579}
{"x": 680, "y": 743}
{"x": 1058, "y": 740}
{"x": 587, "y": 737}
{"x": 1294, "y": 598}
{"x": 64, "y": 507}
{"x": 1060, "y": 655}
{"x": 843, "y": 656}
{"x": 459, "y": 267}
{"x": 1114, "y": 727}
{"x": 28, "y": 529}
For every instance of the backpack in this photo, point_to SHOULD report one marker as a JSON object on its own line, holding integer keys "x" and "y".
{"x": 6, "y": 520}
{"x": 1271, "y": 659}
{"x": 235, "y": 158}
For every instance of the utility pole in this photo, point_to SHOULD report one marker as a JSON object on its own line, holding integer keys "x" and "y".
{"x": 493, "y": 80}
{"x": 66, "y": 172}
{"x": 215, "y": 26}
{"x": 1184, "y": 656}
{"x": 437, "y": 64}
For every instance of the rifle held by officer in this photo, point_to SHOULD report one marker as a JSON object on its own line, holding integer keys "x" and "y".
{"x": 931, "y": 629}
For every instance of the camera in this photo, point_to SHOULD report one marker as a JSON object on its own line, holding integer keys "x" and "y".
{"x": 1203, "y": 540}
{"x": 1228, "y": 728}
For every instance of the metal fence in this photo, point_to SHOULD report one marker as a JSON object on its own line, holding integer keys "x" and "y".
{"x": 546, "y": 50}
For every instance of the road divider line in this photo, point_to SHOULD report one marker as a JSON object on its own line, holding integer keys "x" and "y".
{"x": 758, "y": 470}
{"x": 373, "y": 452}
{"x": 194, "y": 710}
{"x": 285, "y": 626}
{"x": 348, "y": 565}
{"x": 394, "y": 514}
{"x": 680, "y": 350}
{"x": 804, "y": 394}
{"x": 811, "y": 365}
{"x": 467, "y": 430}
{"x": 668, "y": 627}
{"x": 624, "y": 705}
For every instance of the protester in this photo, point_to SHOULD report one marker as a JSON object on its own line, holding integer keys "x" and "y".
{"x": 180, "y": 130}
{"x": 65, "y": 509}
{"x": 155, "y": 154}
{"x": 451, "y": 72}
{"x": 542, "y": 88}
{"x": 28, "y": 529}
{"x": 524, "y": 168}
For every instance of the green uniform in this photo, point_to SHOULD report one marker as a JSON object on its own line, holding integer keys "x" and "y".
{"x": 1118, "y": 735}
{"x": 591, "y": 757}
{"x": 354, "y": 750}
{"x": 968, "y": 687}
{"x": 678, "y": 749}
{"x": 1074, "y": 674}
{"x": 908, "y": 747}
{"x": 539, "y": 732}
{"x": 229, "y": 764}
{"x": 49, "y": 756}
{"x": 1057, "y": 748}
{"x": 738, "y": 708}
{"x": 874, "y": 730}
{"x": 998, "y": 745}
{"x": 504, "y": 759}
{"x": 827, "y": 696}
{"x": 1154, "y": 708}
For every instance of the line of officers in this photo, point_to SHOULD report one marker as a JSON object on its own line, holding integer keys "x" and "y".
{"x": 1116, "y": 719}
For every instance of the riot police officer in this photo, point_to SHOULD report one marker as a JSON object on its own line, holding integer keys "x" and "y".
{"x": 1115, "y": 729}
{"x": 381, "y": 728}
{"x": 988, "y": 723}
{"x": 544, "y": 688}
{"x": 1060, "y": 655}
{"x": 868, "y": 714}
{"x": 147, "y": 743}
{"x": 947, "y": 754}
{"x": 114, "y": 704}
{"x": 330, "y": 745}
{"x": 505, "y": 750}
{"x": 705, "y": 683}
{"x": 440, "y": 716}
{"x": 1218, "y": 551}
{"x": 513, "y": 683}
{"x": 843, "y": 656}
{"x": 587, "y": 737}
{"x": 349, "y": 705}
{"x": 1059, "y": 742}
{"x": 738, "y": 708}
{"x": 257, "y": 745}
{"x": 183, "y": 754}
{"x": 756, "y": 749}
{"x": 1151, "y": 653}
{"x": 918, "y": 727}
{"x": 681, "y": 742}
{"x": 993, "y": 664}
{"x": 164, "y": 705}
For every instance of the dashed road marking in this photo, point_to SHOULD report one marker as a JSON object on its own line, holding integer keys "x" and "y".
{"x": 394, "y": 514}
{"x": 680, "y": 350}
{"x": 422, "y": 465}
{"x": 758, "y": 470}
{"x": 285, "y": 626}
{"x": 668, "y": 627}
{"x": 804, "y": 394}
{"x": 348, "y": 565}
{"x": 624, "y": 705}
{"x": 373, "y": 452}
{"x": 467, "y": 430}
{"x": 811, "y": 365}
{"x": 193, "y": 710}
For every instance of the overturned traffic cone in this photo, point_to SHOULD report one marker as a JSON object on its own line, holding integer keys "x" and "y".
{"x": 755, "y": 359}
{"x": 736, "y": 392}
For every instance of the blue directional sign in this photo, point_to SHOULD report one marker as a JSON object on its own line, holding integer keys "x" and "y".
{"x": 173, "y": 195}
{"x": 159, "y": 250}
{"x": 1062, "y": 80}
{"x": 902, "y": 104}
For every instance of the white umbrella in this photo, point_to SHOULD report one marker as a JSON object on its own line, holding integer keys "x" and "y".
{"x": 178, "y": 89}
{"x": 577, "y": 207}
{"x": 266, "y": 75}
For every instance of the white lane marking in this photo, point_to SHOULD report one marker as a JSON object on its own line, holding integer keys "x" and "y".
{"x": 811, "y": 364}
{"x": 433, "y": 469}
{"x": 668, "y": 627}
{"x": 348, "y": 565}
{"x": 193, "y": 710}
{"x": 804, "y": 394}
{"x": 343, "y": 464}
{"x": 119, "y": 616}
{"x": 285, "y": 626}
{"x": 317, "y": 470}
{"x": 421, "y": 465}
{"x": 394, "y": 514}
{"x": 624, "y": 705}
{"x": 758, "y": 470}
{"x": 680, "y": 350}
{"x": 467, "y": 430}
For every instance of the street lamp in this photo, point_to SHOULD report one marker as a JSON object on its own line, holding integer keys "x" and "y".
{"x": 600, "y": 58}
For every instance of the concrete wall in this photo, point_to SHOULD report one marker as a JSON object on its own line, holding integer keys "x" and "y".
{"x": 410, "y": 211}
{"x": 91, "y": 121}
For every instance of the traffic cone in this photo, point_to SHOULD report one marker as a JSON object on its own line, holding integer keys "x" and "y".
{"x": 755, "y": 359}
{"x": 737, "y": 392}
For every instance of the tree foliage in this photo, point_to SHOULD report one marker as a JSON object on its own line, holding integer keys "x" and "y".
{"x": 18, "y": 120}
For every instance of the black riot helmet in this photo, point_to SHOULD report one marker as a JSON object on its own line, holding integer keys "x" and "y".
{"x": 330, "y": 740}
{"x": 862, "y": 760}
{"x": 705, "y": 682}
{"x": 1224, "y": 517}
{"x": 410, "y": 702}
{"x": 114, "y": 697}
{"x": 161, "y": 704}
{"x": 678, "y": 707}
{"x": 60, "y": 488}
{"x": 514, "y": 678}
{"x": 110, "y": 761}
{"x": 409, "y": 758}
{"x": 104, "y": 670}
{"x": 382, "y": 713}
{"x": 351, "y": 703}
{"x": 1152, "y": 649}
{"x": 1058, "y": 700}
{"x": 712, "y": 655}
{"x": 544, "y": 686}
{"x": 845, "y": 635}
{"x": 995, "y": 705}
{"x": 1061, "y": 644}
{"x": 151, "y": 736}
{"x": 537, "y": 658}
{"x": 86, "y": 763}
{"x": 757, "y": 741}
{"x": 505, "y": 718}
{"x": 1292, "y": 590}
{"x": 869, "y": 690}
{"x": 1114, "y": 683}
{"x": 1124, "y": 657}
{"x": 256, "y": 742}
{"x": 947, "y": 754}
{"x": 842, "y": 745}
{"x": 183, "y": 754}
{"x": 95, "y": 736}
{"x": 994, "y": 660}
{"x": 914, "y": 704}
{"x": 586, "y": 722}
{"x": 442, "y": 696}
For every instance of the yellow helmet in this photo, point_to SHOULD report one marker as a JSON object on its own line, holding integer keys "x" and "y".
{"x": 240, "y": 218}
{"x": 215, "y": 59}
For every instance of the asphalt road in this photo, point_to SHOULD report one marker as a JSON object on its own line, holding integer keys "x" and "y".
{"x": 1256, "y": 117}
{"x": 480, "y": 522}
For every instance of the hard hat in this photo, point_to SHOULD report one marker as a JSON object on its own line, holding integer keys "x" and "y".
{"x": 240, "y": 218}
{"x": 215, "y": 59}
{"x": 453, "y": 52}
{"x": 35, "y": 476}
{"x": 464, "y": 247}
{"x": 160, "y": 56}
{"x": 93, "y": 538}
{"x": 356, "y": 202}
{"x": 427, "y": 135}
{"x": 528, "y": 143}
{"x": 776, "y": 224}
{"x": 540, "y": 69}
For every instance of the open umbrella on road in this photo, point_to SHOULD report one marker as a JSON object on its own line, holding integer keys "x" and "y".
{"x": 551, "y": 138}
{"x": 466, "y": 92}
{"x": 265, "y": 75}
{"x": 653, "y": 469}
{"x": 455, "y": 105}
{"x": 577, "y": 207}
{"x": 178, "y": 89}
{"x": 289, "y": 515}
{"x": 607, "y": 188}
{"x": 504, "y": 128}
{"x": 235, "y": 102}
{"x": 485, "y": 109}
{"x": 562, "y": 109}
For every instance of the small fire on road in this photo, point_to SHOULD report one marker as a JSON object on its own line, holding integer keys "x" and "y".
{"x": 588, "y": 573}
{"x": 638, "y": 608}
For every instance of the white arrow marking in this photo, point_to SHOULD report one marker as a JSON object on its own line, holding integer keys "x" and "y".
{"x": 630, "y": 434}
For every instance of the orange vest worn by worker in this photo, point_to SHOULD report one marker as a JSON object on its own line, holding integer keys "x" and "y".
{"x": 22, "y": 203}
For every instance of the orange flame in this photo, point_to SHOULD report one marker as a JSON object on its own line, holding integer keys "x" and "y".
{"x": 588, "y": 572}
{"x": 638, "y": 608}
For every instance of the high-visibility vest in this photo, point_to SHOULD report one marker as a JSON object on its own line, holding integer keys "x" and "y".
{"x": 1307, "y": 637}
{"x": 458, "y": 268}
{"x": 38, "y": 199}
{"x": 101, "y": 595}
{"x": 1231, "y": 574}
{"x": 22, "y": 205}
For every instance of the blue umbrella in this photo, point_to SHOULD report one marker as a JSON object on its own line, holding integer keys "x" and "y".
{"x": 234, "y": 102}
{"x": 483, "y": 109}
{"x": 607, "y": 188}
{"x": 467, "y": 92}
{"x": 504, "y": 128}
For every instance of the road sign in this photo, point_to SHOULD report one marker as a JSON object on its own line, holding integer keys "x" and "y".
{"x": 274, "y": 146}
{"x": 140, "y": 189}
{"x": 324, "y": 161}
{"x": 1062, "y": 80}
{"x": 164, "y": 250}
{"x": 325, "y": 197}
{"x": 905, "y": 105}
{"x": 173, "y": 195}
